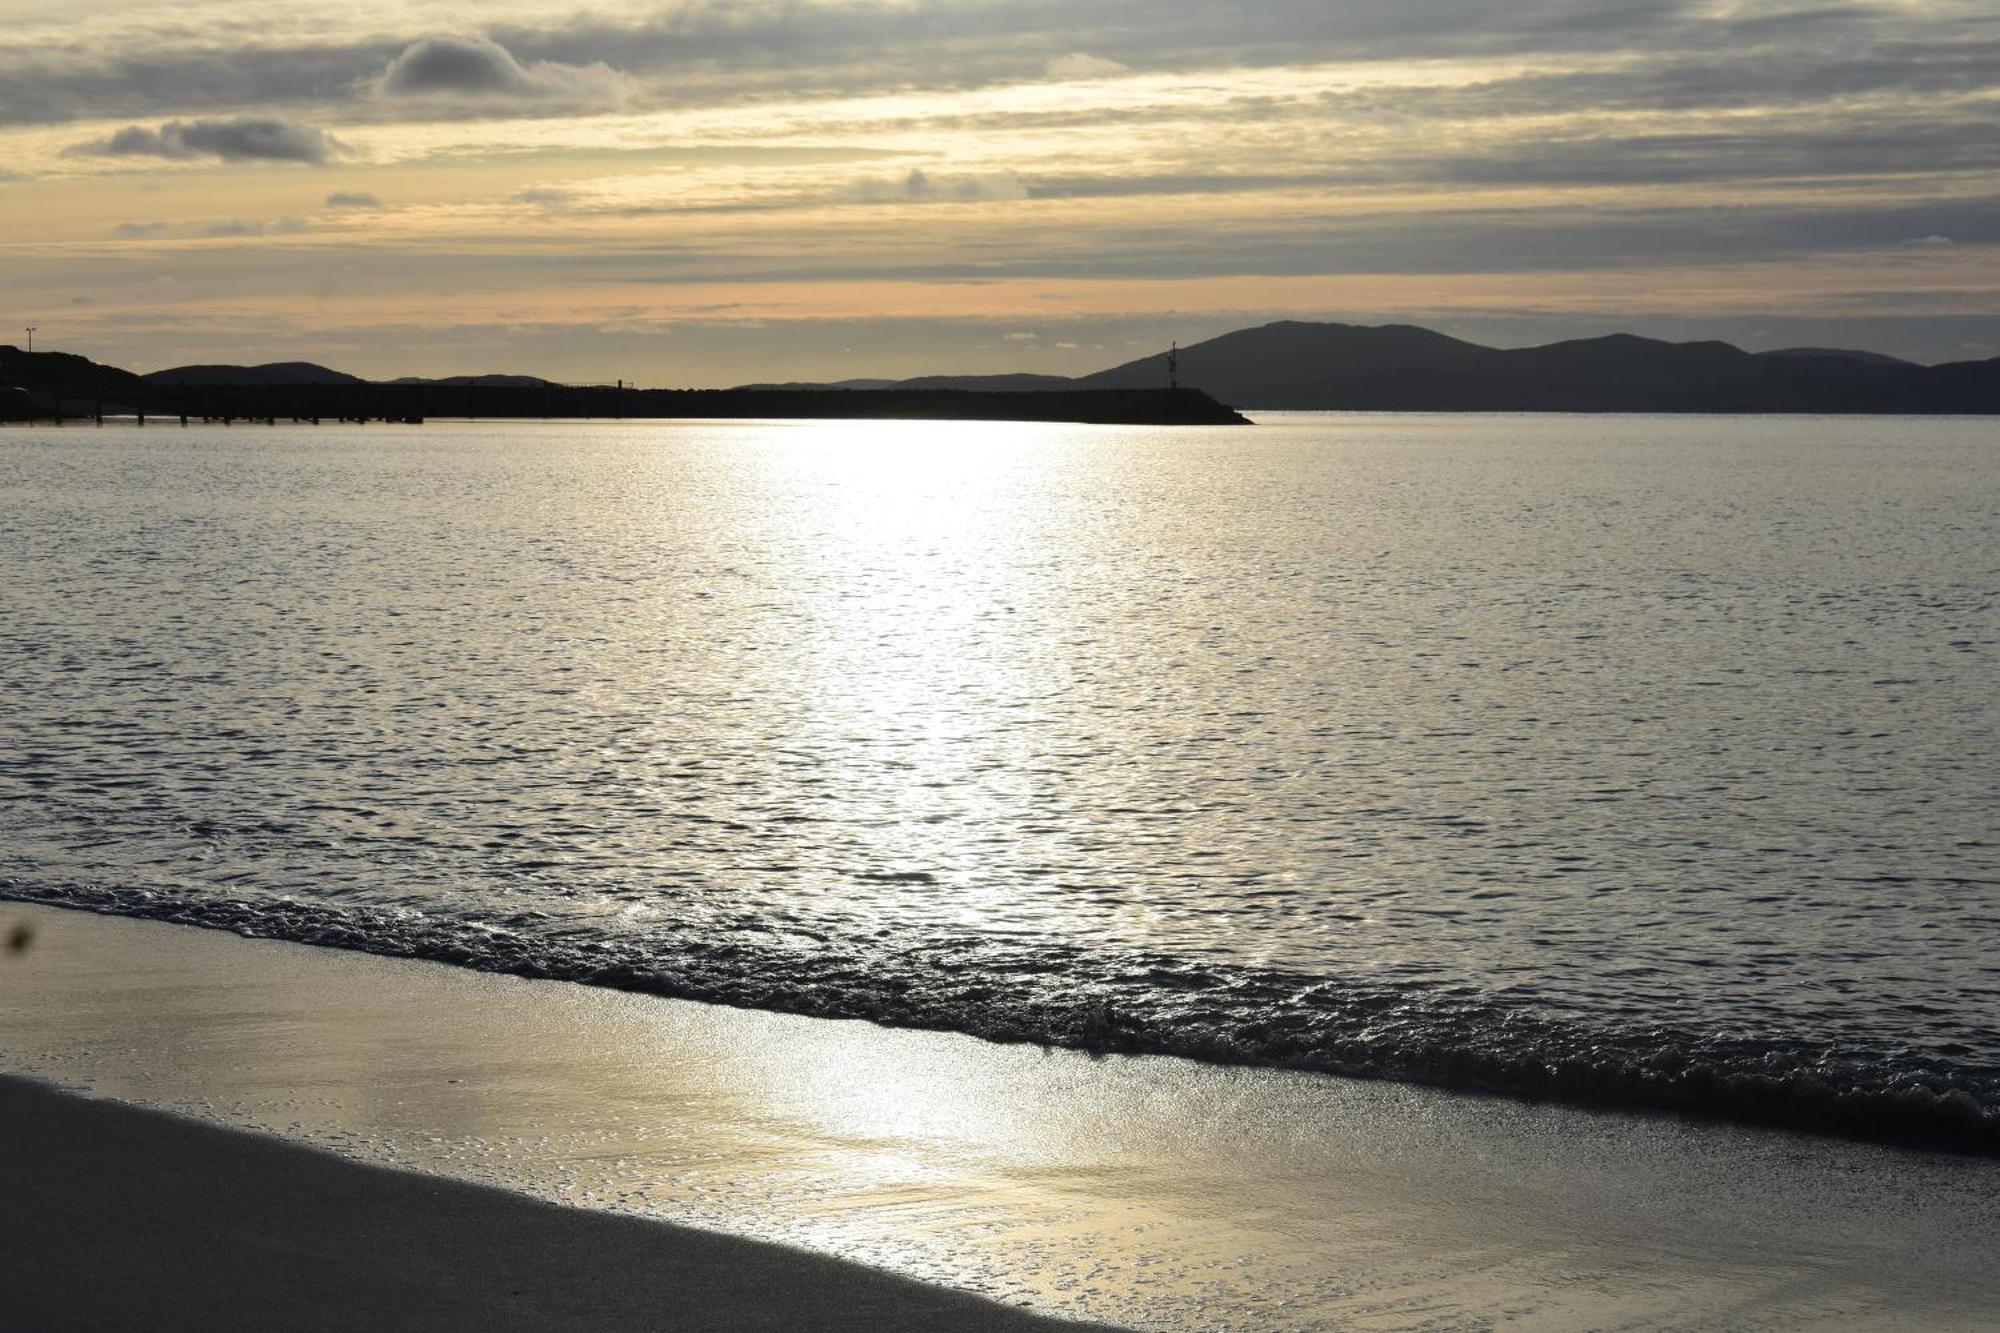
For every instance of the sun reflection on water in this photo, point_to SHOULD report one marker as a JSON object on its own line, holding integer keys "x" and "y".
{"x": 921, "y": 571}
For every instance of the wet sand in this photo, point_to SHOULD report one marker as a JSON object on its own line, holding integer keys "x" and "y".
{"x": 1146, "y": 1193}
{"x": 120, "y": 1218}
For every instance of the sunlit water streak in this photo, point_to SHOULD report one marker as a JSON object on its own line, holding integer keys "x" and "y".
{"x": 1644, "y": 760}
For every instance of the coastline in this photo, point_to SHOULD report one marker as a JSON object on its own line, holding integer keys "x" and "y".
{"x": 124, "y": 1218}
{"x": 1141, "y": 1192}
{"x": 414, "y": 404}
{"x": 1685, "y": 1071}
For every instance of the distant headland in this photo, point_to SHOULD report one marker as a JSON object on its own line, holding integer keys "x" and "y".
{"x": 1283, "y": 366}
{"x": 1402, "y": 368}
{"x": 59, "y": 386}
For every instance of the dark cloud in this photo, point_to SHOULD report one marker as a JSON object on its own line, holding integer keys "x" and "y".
{"x": 1830, "y": 155}
{"x": 239, "y": 227}
{"x": 352, "y": 199}
{"x": 711, "y": 52}
{"x": 1697, "y": 79}
{"x": 222, "y": 227}
{"x": 240, "y": 139}
{"x": 1465, "y": 241}
{"x": 481, "y": 69}
{"x": 51, "y": 85}
{"x": 1007, "y": 39}
{"x": 1170, "y": 183}
{"x": 1771, "y": 154}
{"x": 544, "y": 196}
{"x": 462, "y": 65}
{"x": 920, "y": 186}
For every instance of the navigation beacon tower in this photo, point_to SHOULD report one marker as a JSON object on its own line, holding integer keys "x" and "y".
{"x": 1174, "y": 366}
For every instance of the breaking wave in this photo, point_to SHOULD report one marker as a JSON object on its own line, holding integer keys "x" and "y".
{"x": 1450, "y": 1037}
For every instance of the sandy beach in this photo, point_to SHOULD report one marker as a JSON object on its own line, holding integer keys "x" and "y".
{"x": 120, "y": 1218}
{"x": 867, "y": 1178}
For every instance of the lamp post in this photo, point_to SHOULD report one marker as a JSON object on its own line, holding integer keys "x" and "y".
{"x": 31, "y": 339}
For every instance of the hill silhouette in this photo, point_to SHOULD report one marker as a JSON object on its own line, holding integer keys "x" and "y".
{"x": 478, "y": 381}
{"x": 277, "y": 372}
{"x": 1839, "y": 354}
{"x": 38, "y": 370}
{"x": 46, "y": 385}
{"x": 1292, "y": 365}
{"x": 1400, "y": 367}
{"x": 1002, "y": 383}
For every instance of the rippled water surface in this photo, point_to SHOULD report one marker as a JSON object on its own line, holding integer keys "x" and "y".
{"x": 1633, "y": 759}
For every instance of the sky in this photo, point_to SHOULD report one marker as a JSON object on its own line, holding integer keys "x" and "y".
{"x": 708, "y": 192}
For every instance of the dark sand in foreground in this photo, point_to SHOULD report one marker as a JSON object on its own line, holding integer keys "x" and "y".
{"x": 120, "y": 1218}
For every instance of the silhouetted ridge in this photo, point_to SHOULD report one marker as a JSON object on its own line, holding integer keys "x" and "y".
{"x": 1290, "y": 364}
{"x": 43, "y": 370}
{"x": 478, "y": 381}
{"x": 1001, "y": 383}
{"x": 51, "y": 384}
{"x": 1399, "y": 367}
{"x": 1840, "y": 354}
{"x": 793, "y": 385}
{"x": 275, "y": 373}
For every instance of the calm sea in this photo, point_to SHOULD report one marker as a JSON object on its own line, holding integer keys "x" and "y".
{"x": 1647, "y": 761}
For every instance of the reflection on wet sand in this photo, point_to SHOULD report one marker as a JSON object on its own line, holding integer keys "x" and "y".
{"x": 1158, "y": 1193}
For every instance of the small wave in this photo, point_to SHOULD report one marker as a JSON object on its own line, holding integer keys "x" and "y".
{"x": 1151, "y": 1005}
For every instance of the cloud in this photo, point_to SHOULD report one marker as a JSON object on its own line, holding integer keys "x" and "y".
{"x": 1021, "y": 337}
{"x": 543, "y": 196}
{"x": 922, "y": 187}
{"x": 287, "y": 226}
{"x": 1076, "y": 65}
{"x": 1692, "y": 53}
{"x": 1928, "y": 242}
{"x": 352, "y": 199}
{"x": 239, "y": 227}
{"x": 239, "y": 139}
{"x": 480, "y": 69}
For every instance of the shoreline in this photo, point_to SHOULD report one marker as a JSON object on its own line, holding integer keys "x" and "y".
{"x": 409, "y": 404}
{"x": 120, "y": 1217}
{"x": 1542, "y": 1063}
{"x": 1143, "y": 1192}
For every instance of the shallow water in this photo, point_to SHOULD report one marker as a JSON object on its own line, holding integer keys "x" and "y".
{"x": 1154, "y": 1194}
{"x": 1628, "y": 759}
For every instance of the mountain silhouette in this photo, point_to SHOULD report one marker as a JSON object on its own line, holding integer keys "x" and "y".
{"x": 1399, "y": 367}
{"x": 34, "y": 370}
{"x": 1838, "y": 354}
{"x": 277, "y": 372}
{"x": 1293, "y": 364}
{"x": 1003, "y": 383}
{"x": 478, "y": 381}
{"x": 1286, "y": 365}
{"x": 58, "y": 385}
